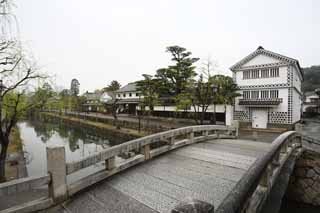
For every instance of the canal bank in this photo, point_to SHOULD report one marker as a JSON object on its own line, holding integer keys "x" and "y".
{"x": 97, "y": 125}
{"x": 15, "y": 163}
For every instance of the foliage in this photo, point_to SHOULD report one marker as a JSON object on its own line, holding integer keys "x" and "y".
{"x": 311, "y": 78}
{"x": 183, "y": 101}
{"x": 149, "y": 90}
{"x": 202, "y": 95}
{"x": 74, "y": 89}
{"x": 42, "y": 95}
{"x": 175, "y": 78}
{"x": 227, "y": 89}
{"x": 113, "y": 86}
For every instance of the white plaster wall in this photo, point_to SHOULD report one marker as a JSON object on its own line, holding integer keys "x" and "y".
{"x": 133, "y": 95}
{"x": 296, "y": 78}
{"x": 259, "y": 81}
{"x": 296, "y": 108}
{"x": 219, "y": 108}
{"x": 283, "y": 107}
{"x": 261, "y": 59}
{"x": 229, "y": 115}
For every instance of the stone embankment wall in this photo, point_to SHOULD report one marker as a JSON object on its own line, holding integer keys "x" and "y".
{"x": 304, "y": 185}
{"x": 144, "y": 125}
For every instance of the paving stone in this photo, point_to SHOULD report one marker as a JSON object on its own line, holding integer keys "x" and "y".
{"x": 213, "y": 159}
{"x": 83, "y": 203}
{"x": 156, "y": 200}
{"x": 223, "y": 155}
{"x": 216, "y": 170}
{"x": 231, "y": 149}
{"x": 116, "y": 201}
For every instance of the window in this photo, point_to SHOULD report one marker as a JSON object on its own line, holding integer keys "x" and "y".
{"x": 255, "y": 73}
{"x": 137, "y": 94}
{"x": 246, "y": 74}
{"x": 124, "y": 95}
{"x": 264, "y": 94}
{"x": 119, "y": 95}
{"x": 130, "y": 94}
{"x": 265, "y": 73}
{"x": 246, "y": 94}
{"x": 254, "y": 94}
{"x": 274, "y": 93}
{"x": 274, "y": 72}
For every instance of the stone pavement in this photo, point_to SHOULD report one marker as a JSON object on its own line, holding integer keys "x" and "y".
{"x": 205, "y": 171}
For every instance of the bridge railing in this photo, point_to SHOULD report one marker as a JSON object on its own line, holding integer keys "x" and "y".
{"x": 19, "y": 186}
{"x": 138, "y": 150}
{"x": 252, "y": 190}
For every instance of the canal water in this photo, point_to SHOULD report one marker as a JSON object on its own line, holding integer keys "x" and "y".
{"x": 79, "y": 142}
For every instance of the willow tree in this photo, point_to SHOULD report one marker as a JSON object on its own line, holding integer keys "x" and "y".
{"x": 16, "y": 72}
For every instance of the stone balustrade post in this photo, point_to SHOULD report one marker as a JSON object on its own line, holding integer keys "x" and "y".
{"x": 284, "y": 148}
{"x": 110, "y": 163}
{"x": 56, "y": 166}
{"x": 205, "y": 133}
{"x": 172, "y": 140}
{"x": 276, "y": 160}
{"x": 146, "y": 151}
{"x": 191, "y": 137}
{"x": 265, "y": 181}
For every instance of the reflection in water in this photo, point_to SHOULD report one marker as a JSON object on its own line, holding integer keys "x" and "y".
{"x": 79, "y": 142}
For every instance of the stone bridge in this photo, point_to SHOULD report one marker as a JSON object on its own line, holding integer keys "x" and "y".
{"x": 197, "y": 167}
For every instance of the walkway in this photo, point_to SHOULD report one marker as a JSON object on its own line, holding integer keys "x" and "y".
{"x": 206, "y": 171}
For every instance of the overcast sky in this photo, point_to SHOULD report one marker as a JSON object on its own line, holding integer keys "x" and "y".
{"x": 98, "y": 41}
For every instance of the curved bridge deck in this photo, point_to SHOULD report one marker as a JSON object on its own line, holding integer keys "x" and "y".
{"x": 206, "y": 171}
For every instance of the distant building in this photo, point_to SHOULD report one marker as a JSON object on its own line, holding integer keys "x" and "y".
{"x": 75, "y": 87}
{"x": 128, "y": 98}
{"x": 311, "y": 102}
{"x": 93, "y": 102}
{"x": 270, "y": 85}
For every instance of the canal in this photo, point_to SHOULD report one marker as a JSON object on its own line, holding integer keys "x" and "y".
{"x": 79, "y": 142}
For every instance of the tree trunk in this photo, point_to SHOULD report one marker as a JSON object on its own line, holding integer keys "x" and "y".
{"x": 214, "y": 118}
{"x": 3, "y": 155}
{"x": 202, "y": 115}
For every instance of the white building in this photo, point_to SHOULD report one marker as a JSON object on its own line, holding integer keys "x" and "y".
{"x": 270, "y": 85}
{"x": 129, "y": 98}
{"x": 311, "y": 102}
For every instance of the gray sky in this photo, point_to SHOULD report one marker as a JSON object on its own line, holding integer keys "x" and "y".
{"x": 102, "y": 40}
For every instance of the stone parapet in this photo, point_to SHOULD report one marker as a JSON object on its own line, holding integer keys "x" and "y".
{"x": 304, "y": 185}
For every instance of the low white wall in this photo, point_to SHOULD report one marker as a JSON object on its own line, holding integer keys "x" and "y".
{"x": 228, "y": 109}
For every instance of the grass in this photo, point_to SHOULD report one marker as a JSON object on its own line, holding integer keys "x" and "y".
{"x": 131, "y": 132}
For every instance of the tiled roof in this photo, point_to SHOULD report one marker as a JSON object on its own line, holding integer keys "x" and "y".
{"x": 131, "y": 87}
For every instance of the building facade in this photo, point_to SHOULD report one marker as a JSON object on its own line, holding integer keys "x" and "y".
{"x": 311, "y": 102}
{"x": 92, "y": 102}
{"x": 270, "y": 85}
{"x": 128, "y": 98}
